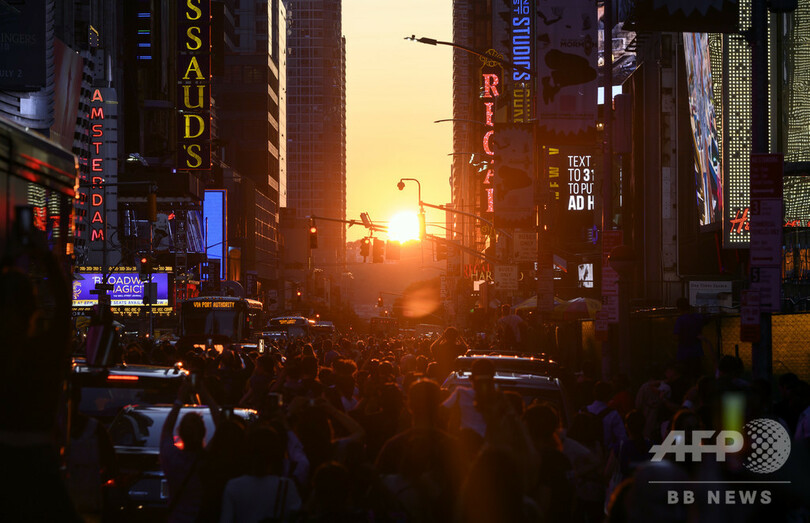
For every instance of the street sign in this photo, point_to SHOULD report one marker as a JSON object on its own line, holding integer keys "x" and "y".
{"x": 525, "y": 246}
{"x": 610, "y": 278}
{"x": 710, "y": 295}
{"x": 767, "y": 282}
{"x": 545, "y": 290}
{"x": 766, "y": 232}
{"x": 749, "y": 316}
{"x": 766, "y": 176}
{"x": 601, "y": 326}
{"x": 506, "y": 277}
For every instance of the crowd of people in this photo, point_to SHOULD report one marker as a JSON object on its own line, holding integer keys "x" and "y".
{"x": 360, "y": 430}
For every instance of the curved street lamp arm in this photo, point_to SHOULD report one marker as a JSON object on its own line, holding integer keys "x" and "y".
{"x": 471, "y": 215}
{"x": 502, "y": 61}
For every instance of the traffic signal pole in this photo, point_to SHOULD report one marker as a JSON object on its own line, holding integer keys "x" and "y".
{"x": 762, "y": 350}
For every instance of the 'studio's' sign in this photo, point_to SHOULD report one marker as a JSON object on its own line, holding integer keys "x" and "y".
{"x": 194, "y": 85}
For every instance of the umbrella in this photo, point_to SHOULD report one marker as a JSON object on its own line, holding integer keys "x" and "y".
{"x": 531, "y": 303}
{"x": 576, "y": 309}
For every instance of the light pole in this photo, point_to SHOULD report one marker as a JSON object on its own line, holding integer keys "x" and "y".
{"x": 502, "y": 61}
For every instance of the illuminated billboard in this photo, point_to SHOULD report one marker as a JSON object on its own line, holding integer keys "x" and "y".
{"x": 513, "y": 36}
{"x": 215, "y": 227}
{"x": 194, "y": 85}
{"x": 127, "y": 291}
{"x": 571, "y": 175}
{"x": 567, "y": 49}
{"x": 705, "y": 137}
{"x": 514, "y": 176}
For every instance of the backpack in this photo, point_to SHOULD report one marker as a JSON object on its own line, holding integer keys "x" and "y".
{"x": 596, "y": 424}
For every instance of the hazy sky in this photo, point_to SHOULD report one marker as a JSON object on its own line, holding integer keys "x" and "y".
{"x": 395, "y": 89}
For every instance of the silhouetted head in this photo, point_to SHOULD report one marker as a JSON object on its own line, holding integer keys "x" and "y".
{"x": 192, "y": 431}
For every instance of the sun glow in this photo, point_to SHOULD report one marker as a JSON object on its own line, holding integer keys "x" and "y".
{"x": 403, "y": 227}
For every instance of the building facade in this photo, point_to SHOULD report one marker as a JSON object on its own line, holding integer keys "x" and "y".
{"x": 316, "y": 125}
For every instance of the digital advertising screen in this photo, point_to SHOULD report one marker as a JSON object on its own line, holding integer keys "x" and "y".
{"x": 127, "y": 289}
{"x": 708, "y": 167}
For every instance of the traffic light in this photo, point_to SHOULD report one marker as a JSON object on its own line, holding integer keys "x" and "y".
{"x": 441, "y": 251}
{"x": 379, "y": 251}
{"x": 364, "y": 247}
{"x": 147, "y": 264}
{"x": 380, "y": 302}
{"x": 392, "y": 250}
{"x": 151, "y": 206}
{"x": 313, "y": 235}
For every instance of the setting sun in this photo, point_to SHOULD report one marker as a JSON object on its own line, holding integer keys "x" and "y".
{"x": 403, "y": 227}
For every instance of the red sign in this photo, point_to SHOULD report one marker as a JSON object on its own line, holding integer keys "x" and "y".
{"x": 766, "y": 175}
{"x": 97, "y": 218}
{"x": 491, "y": 93}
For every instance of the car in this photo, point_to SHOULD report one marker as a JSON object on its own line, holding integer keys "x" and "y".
{"x": 511, "y": 361}
{"x": 428, "y": 330}
{"x": 140, "y": 490}
{"x": 326, "y": 329}
{"x": 533, "y": 378}
{"x": 105, "y": 390}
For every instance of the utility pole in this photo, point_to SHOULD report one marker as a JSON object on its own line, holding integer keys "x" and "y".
{"x": 762, "y": 350}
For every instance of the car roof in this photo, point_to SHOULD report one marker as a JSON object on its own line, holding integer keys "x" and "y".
{"x": 142, "y": 371}
{"x": 540, "y": 364}
{"x": 517, "y": 379}
{"x": 202, "y": 409}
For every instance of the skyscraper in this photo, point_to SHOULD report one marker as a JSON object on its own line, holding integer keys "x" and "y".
{"x": 316, "y": 123}
{"x": 250, "y": 109}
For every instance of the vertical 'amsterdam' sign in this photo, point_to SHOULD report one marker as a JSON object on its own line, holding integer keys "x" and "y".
{"x": 194, "y": 85}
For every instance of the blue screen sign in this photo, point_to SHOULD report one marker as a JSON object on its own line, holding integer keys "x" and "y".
{"x": 127, "y": 289}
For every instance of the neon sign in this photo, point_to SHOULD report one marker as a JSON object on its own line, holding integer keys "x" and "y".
{"x": 521, "y": 26}
{"x": 97, "y": 220}
{"x": 478, "y": 271}
{"x": 194, "y": 85}
{"x": 491, "y": 81}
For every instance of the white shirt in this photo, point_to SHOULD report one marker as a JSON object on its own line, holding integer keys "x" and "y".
{"x": 471, "y": 418}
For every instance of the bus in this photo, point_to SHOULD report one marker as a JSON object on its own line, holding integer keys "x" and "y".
{"x": 221, "y": 319}
{"x": 383, "y": 326}
{"x": 288, "y": 327}
{"x": 39, "y": 181}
